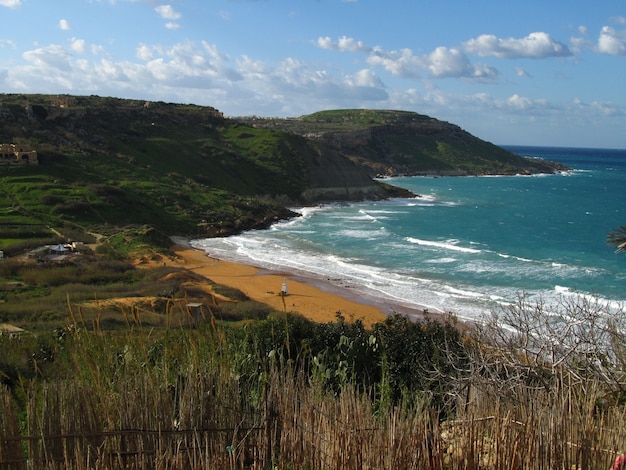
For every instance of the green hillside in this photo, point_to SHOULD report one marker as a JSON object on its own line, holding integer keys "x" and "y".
{"x": 173, "y": 169}
{"x": 106, "y": 163}
{"x": 406, "y": 143}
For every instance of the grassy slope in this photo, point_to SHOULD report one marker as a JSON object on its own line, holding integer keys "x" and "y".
{"x": 181, "y": 169}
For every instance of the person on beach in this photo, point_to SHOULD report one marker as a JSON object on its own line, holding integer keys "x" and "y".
{"x": 283, "y": 290}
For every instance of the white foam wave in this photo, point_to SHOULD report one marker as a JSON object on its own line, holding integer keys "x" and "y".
{"x": 363, "y": 234}
{"x": 449, "y": 245}
{"x": 399, "y": 288}
{"x": 440, "y": 260}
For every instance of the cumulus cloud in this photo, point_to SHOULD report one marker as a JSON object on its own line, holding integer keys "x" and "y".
{"x": 519, "y": 102}
{"x": 536, "y": 45}
{"x": 167, "y": 12}
{"x": 344, "y": 43}
{"x": 612, "y": 41}
{"x": 364, "y": 78}
{"x": 52, "y": 56}
{"x": 64, "y": 25}
{"x": 10, "y": 3}
{"x": 402, "y": 63}
{"x": 443, "y": 62}
{"x": 78, "y": 45}
{"x": 446, "y": 62}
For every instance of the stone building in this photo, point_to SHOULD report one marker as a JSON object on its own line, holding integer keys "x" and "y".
{"x": 12, "y": 154}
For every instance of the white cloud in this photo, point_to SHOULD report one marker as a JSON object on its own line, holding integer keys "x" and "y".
{"x": 144, "y": 52}
{"x": 402, "y": 63}
{"x": 446, "y": 62}
{"x": 600, "y": 108}
{"x": 10, "y": 3}
{"x": 251, "y": 67}
{"x": 516, "y": 102}
{"x": 78, "y": 45}
{"x": 167, "y": 12}
{"x": 612, "y": 41}
{"x": 53, "y": 56}
{"x": 172, "y": 25}
{"x": 443, "y": 62}
{"x": 344, "y": 43}
{"x": 607, "y": 109}
{"x": 8, "y": 43}
{"x": 520, "y": 72}
{"x": 519, "y": 102}
{"x": 364, "y": 78}
{"x": 536, "y": 45}
{"x": 579, "y": 43}
{"x": 64, "y": 25}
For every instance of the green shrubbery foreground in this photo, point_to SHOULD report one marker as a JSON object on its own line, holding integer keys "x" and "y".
{"x": 284, "y": 392}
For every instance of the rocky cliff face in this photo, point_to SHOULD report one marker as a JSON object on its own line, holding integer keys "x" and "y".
{"x": 334, "y": 177}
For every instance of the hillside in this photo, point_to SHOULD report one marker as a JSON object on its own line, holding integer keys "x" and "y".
{"x": 106, "y": 163}
{"x": 405, "y": 143}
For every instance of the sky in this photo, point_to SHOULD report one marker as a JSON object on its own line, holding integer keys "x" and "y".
{"x": 519, "y": 73}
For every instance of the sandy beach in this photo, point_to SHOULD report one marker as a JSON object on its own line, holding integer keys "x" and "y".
{"x": 313, "y": 302}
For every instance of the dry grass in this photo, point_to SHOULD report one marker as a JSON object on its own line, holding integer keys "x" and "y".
{"x": 195, "y": 400}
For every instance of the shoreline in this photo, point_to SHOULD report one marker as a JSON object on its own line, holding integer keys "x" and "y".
{"x": 310, "y": 297}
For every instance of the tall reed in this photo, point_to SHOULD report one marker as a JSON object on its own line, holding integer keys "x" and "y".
{"x": 199, "y": 399}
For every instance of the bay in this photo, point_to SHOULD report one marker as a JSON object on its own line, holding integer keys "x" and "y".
{"x": 467, "y": 244}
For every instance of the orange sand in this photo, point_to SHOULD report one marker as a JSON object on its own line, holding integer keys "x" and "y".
{"x": 311, "y": 302}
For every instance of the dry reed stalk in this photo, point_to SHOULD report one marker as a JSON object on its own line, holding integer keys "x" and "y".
{"x": 10, "y": 449}
{"x": 124, "y": 409}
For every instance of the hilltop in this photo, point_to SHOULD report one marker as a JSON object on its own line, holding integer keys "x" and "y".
{"x": 175, "y": 169}
{"x": 393, "y": 143}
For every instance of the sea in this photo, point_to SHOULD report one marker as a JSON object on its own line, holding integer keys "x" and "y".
{"x": 465, "y": 245}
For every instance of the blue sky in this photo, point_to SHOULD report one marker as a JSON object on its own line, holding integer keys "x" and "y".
{"x": 529, "y": 73}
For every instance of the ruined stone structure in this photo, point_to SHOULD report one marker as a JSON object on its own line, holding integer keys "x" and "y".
{"x": 12, "y": 154}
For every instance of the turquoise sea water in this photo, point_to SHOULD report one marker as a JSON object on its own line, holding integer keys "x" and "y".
{"x": 468, "y": 244}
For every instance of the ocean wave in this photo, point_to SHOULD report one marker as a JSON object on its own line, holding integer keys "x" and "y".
{"x": 441, "y": 260}
{"x": 364, "y": 234}
{"x": 449, "y": 245}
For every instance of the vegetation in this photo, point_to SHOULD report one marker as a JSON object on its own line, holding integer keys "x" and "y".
{"x": 400, "y": 142}
{"x": 108, "y": 163}
{"x": 288, "y": 393}
{"x": 116, "y": 371}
